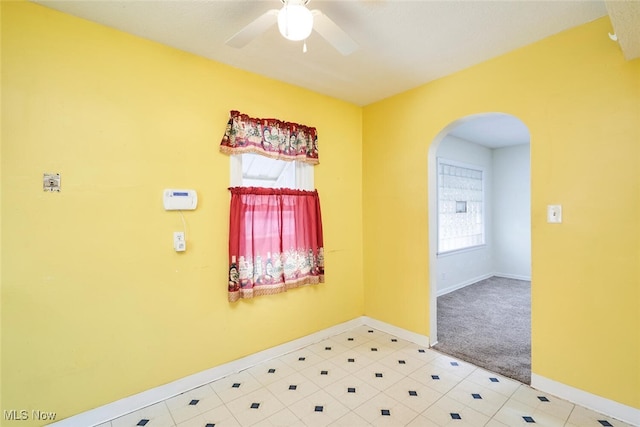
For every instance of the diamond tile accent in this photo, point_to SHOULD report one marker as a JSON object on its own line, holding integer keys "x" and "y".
{"x": 302, "y": 359}
{"x": 255, "y": 405}
{"x": 494, "y": 380}
{"x": 293, "y": 387}
{"x": 476, "y": 396}
{"x": 455, "y": 364}
{"x": 394, "y": 340}
{"x": 435, "y": 377}
{"x": 385, "y": 412}
{"x": 236, "y": 385}
{"x": 319, "y": 409}
{"x": 378, "y": 375}
{"x": 142, "y": 422}
{"x": 421, "y": 350}
{"x": 271, "y": 371}
{"x": 543, "y": 399}
{"x": 209, "y": 425}
{"x": 455, "y": 416}
{"x": 402, "y": 362}
{"x": 324, "y": 372}
{"x": 528, "y": 419}
{"x": 413, "y": 393}
{"x": 351, "y": 360}
{"x": 327, "y": 348}
{"x": 374, "y": 349}
{"x": 194, "y": 402}
{"x": 351, "y": 390}
{"x": 349, "y": 339}
{"x": 605, "y": 423}
{"x": 370, "y": 331}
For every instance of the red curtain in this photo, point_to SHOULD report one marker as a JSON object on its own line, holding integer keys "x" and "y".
{"x": 275, "y": 241}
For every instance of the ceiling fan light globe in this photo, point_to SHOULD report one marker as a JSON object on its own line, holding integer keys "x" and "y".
{"x": 295, "y": 22}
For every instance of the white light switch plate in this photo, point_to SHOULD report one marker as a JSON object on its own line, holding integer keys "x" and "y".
{"x": 554, "y": 214}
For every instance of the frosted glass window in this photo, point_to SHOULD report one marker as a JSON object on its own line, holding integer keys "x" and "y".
{"x": 254, "y": 170}
{"x": 460, "y": 206}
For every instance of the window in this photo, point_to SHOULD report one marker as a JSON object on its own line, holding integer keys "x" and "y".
{"x": 461, "y": 223}
{"x": 254, "y": 170}
{"x": 275, "y": 237}
{"x": 275, "y": 224}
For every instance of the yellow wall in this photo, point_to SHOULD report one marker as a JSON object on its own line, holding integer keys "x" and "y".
{"x": 581, "y": 102}
{"x": 96, "y": 304}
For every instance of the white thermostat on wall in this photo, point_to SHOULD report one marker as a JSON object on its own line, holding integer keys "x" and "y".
{"x": 179, "y": 200}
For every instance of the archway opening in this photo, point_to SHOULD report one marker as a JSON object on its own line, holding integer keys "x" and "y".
{"x": 480, "y": 285}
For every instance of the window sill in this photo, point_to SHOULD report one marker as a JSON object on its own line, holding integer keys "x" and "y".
{"x": 462, "y": 250}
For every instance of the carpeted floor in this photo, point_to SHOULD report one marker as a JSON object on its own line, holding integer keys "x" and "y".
{"x": 489, "y": 324}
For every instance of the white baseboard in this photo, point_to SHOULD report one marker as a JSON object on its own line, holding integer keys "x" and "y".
{"x": 404, "y": 334}
{"x": 600, "y": 404}
{"x": 513, "y": 276}
{"x": 462, "y": 284}
{"x": 132, "y": 403}
{"x": 479, "y": 278}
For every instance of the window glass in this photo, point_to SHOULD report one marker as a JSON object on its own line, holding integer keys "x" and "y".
{"x": 254, "y": 170}
{"x": 461, "y": 222}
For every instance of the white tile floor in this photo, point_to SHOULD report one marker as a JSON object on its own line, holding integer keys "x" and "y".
{"x": 364, "y": 377}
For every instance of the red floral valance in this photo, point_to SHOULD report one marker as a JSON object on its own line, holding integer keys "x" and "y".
{"x": 270, "y": 137}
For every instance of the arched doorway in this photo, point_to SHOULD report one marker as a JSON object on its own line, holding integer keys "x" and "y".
{"x": 496, "y": 145}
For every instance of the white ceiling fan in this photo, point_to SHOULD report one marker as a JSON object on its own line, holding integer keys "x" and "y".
{"x": 295, "y": 22}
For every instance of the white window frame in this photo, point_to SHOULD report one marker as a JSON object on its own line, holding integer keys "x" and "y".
{"x": 454, "y": 163}
{"x": 304, "y": 173}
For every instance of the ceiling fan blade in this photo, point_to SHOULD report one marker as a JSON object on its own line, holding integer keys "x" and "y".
{"x": 255, "y": 28}
{"x": 333, "y": 34}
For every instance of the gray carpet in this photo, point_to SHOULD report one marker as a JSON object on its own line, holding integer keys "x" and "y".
{"x": 489, "y": 324}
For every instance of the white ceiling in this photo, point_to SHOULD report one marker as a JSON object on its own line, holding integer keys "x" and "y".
{"x": 402, "y": 44}
{"x": 625, "y": 18}
{"x": 493, "y": 130}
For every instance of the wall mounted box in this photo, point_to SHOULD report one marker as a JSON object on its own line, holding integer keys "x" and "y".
{"x": 179, "y": 200}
